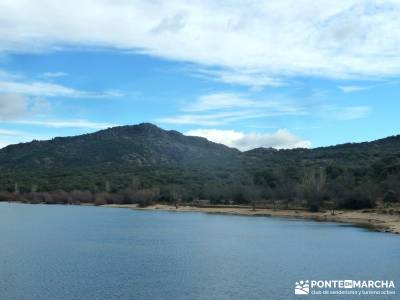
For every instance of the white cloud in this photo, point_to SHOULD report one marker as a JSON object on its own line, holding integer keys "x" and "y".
{"x": 5, "y": 75}
{"x": 345, "y": 113}
{"x": 354, "y": 112}
{"x": 211, "y": 119}
{"x": 218, "y": 101}
{"x": 352, "y": 88}
{"x": 221, "y": 118}
{"x": 51, "y": 75}
{"x": 12, "y": 106}
{"x": 254, "y": 79}
{"x": 8, "y": 132}
{"x": 9, "y": 136}
{"x": 253, "y": 42}
{"x": 223, "y": 108}
{"x": 46, "y": 89}
{"x": 281, "y": 139}
{"x": 72, "y": 123}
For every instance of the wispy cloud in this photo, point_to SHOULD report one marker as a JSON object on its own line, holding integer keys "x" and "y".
{"x": 218, "y": 101}
{"x": 17, "y": 83}
{"x": 22, "y": 102}
{"x": 224, "y": 108}
{"x": 280, "y": 139}
{"x": 345, "y": 113}
{"x": 254, "y": 42}
{"x": 352, "y": 88}
{"x": 254, "y": 79}
{"x": 8, "y": 132}
{"x": 46, "y": 89}
{"x": 51, "y": 75}
{"x": 5, "y": 75}
{"x": 10, "y": 136}
{"x": 208, "y": 119}
{"x": 71, "y": 123}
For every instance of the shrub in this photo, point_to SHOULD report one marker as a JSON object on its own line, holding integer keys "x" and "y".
{"x": 60, "y": 197}
{"x": 6, "y": 196}
{"x": 106, "y": 198}
{"x": 100, "y": 199}
{"x": 390, "y": 196}
{"x": 313, "y": 206}
{"x": 128, "y": 196}
{"x": 81, "y": 196}
{"x": 145, "y": 198}
{"x": 356, "y": 200}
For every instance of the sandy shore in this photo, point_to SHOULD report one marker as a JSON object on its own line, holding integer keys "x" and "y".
{"x": 370, "y": 219}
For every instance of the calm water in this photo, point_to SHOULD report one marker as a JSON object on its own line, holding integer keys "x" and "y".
{"x": 72, "y": 252}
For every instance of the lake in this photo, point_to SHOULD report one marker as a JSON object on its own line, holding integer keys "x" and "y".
{"x": 83, "y": 252}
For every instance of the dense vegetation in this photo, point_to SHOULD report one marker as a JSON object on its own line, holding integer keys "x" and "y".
{"x": 144, "y": 164}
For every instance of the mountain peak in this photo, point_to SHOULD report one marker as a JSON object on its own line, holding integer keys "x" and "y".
{"x": 128, "y": 147}
{"x": 129, "y": 130}
{"x": 147, "y": 126}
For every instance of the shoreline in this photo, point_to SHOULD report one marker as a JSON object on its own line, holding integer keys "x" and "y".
{"x": 371, "y": 220}
{"x": 368, "y": 219}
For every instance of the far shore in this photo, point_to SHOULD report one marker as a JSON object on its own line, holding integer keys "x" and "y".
{"x": 369, "y": 219}
{"x": 378, "y": 219}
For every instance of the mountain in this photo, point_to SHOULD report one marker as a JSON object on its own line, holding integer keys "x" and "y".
{"x": 350, "y": 155}
{"x": 136, "y": 146}
{"x": 117, "y": 156}
{"x": 351, "y": 164}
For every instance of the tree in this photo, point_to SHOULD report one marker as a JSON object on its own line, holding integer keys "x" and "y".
{"x": 135, "y": 183}
{"x": 16, "y": 188}
{"x": 314, "y": 186}
{"x": 357, "y": 199}
{"x": 146, "y": 197}
{"x": 252, "y": 194}
{"x": 107, "y": 186}
{"x": 390, "y": 197}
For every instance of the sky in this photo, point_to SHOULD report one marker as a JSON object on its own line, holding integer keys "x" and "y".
{"x": 282, "y": 74}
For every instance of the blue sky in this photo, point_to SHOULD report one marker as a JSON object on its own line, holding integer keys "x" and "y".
{"x": 278, "y": 74}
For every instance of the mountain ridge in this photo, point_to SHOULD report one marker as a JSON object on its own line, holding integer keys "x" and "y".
{"x": 157, "y": 157}
{"x": 147, "y": 127}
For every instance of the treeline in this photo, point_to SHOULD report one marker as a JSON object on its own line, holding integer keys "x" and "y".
{"x": 329, "y": 187}
{"x": 142, "y": 197}
{"x": 312, "y": 189}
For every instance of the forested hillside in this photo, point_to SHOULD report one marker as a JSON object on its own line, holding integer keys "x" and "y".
{"x": 146, "y": 163}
